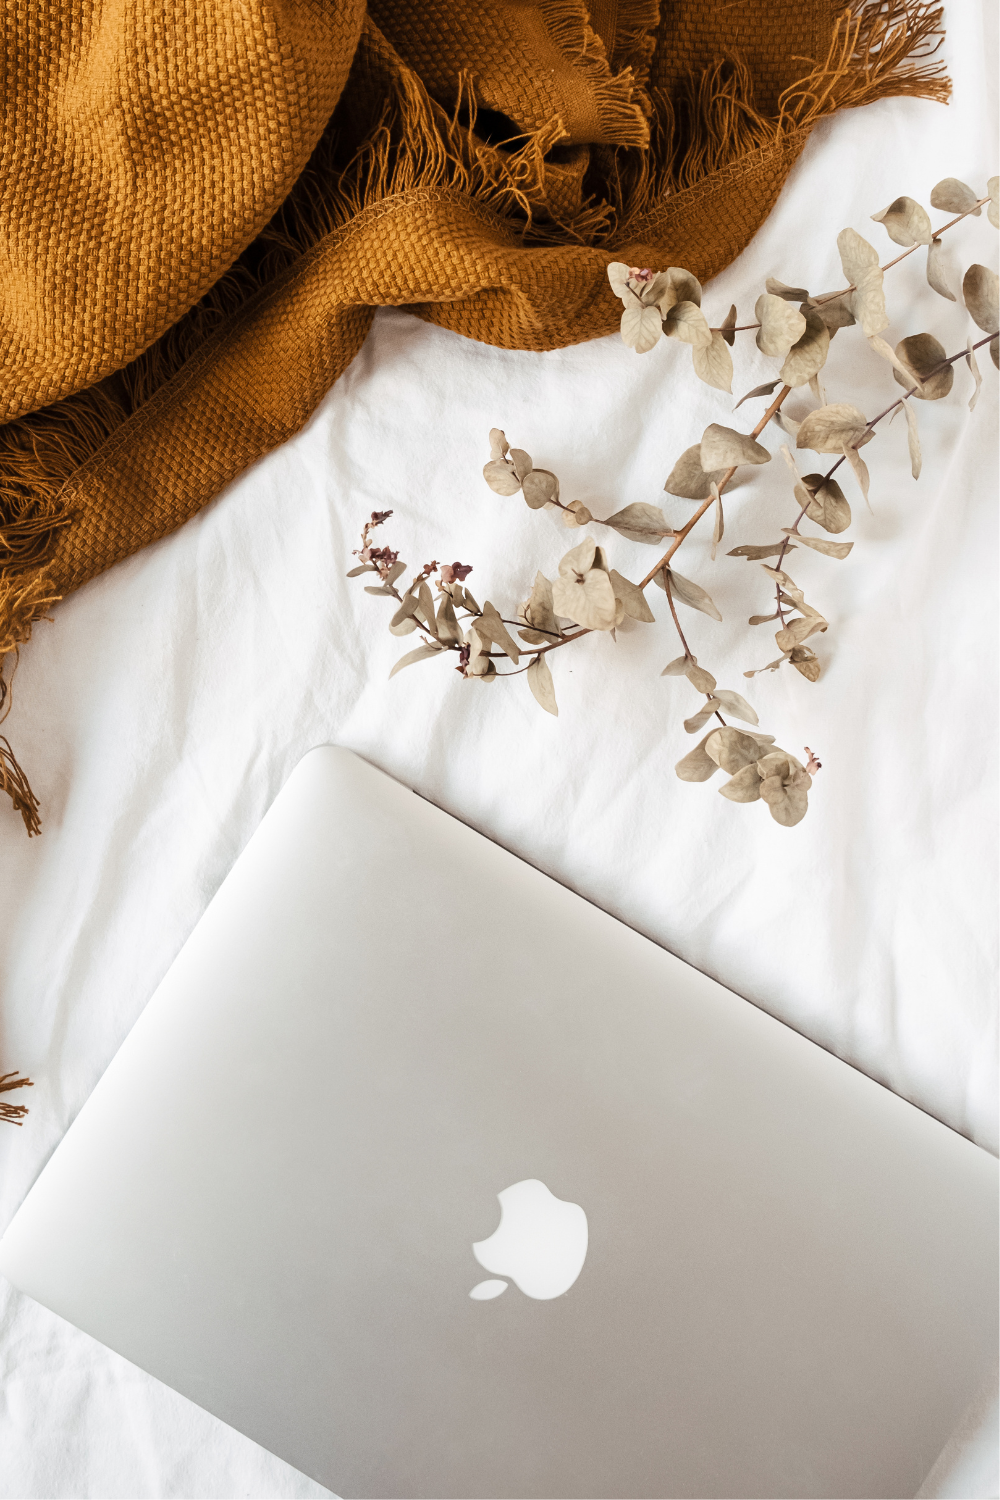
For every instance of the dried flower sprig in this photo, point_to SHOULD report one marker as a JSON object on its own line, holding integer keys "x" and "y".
{"x": 13, "y": 1114}
{"x": 589, "y": 595}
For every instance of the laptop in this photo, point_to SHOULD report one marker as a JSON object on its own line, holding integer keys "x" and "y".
{"x": 436, "y": 1180}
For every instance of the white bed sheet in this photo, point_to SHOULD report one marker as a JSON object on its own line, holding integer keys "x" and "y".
{"x": 162, "y": 711}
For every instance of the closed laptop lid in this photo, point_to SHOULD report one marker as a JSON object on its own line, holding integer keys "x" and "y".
{"x": 711, "y": 1259}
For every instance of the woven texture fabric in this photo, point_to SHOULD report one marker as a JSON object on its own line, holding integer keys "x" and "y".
{"x": 201, "y": 204}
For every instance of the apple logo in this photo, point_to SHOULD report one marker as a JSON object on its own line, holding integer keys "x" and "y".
{"x": 540, "y": 1243}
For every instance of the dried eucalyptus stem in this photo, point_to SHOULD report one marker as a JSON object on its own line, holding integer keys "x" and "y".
{"x": 588, "y": 595}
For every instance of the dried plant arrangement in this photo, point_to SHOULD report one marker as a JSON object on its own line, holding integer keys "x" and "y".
{"x": 794, "y": 328}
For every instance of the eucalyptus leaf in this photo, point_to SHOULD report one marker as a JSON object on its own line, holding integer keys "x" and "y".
{"x": 490, "y": 627}
{"x": 686, "y": 288}
{"x": 422, "y": 653}
{"x": 583, "y": 592}
{"x": 906, "y": 222}
{"x": 633, "y": 598}
{"x": 786, "y": 293}
{"x": 828, "y": 429}
{"x": 744, "y": 786}
{"x": 923, "y": 355}
{"x": 860, "y": 468}
{"x": 538, "y": 611}
{"x": 688, "y": 479}
{"x": 732, "y": 749}
{"x": 979, "y": 288}
{"x": 912, "y": 439}
{"x": 758, "y": 390}
{"x": 501, "y": 477}
{"x": 955, "y": 196}
{"x": 539, "y": 487}
{"x": 868, "y": 301}
{"x": 691, "y": 594}
{"x": 364, "y": 568}
{"x": 733, "y": 703}
{"x": 808, "y": 356}
{"x": 828, "y": 506}
{"x": 499, "y": 446}
{"x": 836, "y": 313}
{"x": 687, "y": 322}
{"x": 379, "y": 589}
{"x": 618, "y": 277}
{"x": 728, "y": 326}
{"x": 640, "y": 523}
{"x": 542, "y": 686}
{"x": 856, "y": 255}
{"x": 700, "y": 719}
{"x": 426, "y": 607}
{"x": 713, "y": 363}
{"x": 806, "y": 662}
{"x": 641, "y": 328}
{"x": 973, "y": 364}
{"x": 697, "y": 765}
{"x": 781, "y": 325}
{"x": 819, "y": 544}
{"x": 754, "y": 553}
{"x": 405, "y": 610}
{"x": 676, "y": 668}
{"x": 886, "y": 352}
{"x": 936, "y": 277}
{"x": 723, "y": 448}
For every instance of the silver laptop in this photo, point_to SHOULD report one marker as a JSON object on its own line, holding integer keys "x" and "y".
{"x": 438, "y": 1181}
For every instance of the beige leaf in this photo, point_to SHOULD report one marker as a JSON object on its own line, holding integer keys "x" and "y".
{"x": 787, "y": 805}
{"x": 521, "y": 462}
{"x": 379, "y": 589}
{"x": 912, "y": 438}
{"x": 686, "y": 288}
{"x": 641, "y": 328}
{"x": 772, "y": 666}
{"x": 786, "y": 424}
{"x": 490, "y": 627}
{"x": 541, "y": 684}
{"x": 818, "y": 544}
{"x": 632, "y": 598}
{"x": 713, "y": 363}
{"x": 860, "y": 468}
{"x": 539, "y": 486}
{"x": 618, "y": 277}
{"x": 640, "y": 523}
{"x": 728, "y": 325}
{"x": 582, "y": 592}
{"x": 689, "y": 480}
{"x": 936, "y": 277}
{"x": 499, "y": 446}
{"x": 470, "y": 603}
{"x": 404, "y": 611}
{"x": 906, "y": 222}
{"x": 697, "y": 676}
{"x": 754, "y": 554}
{"x": 786, "y": 293}
{"x": 402, "y": 627}
{"x": 868, "y": 301}
{"x": 761, "y": 620}
{"x": 576, "y": 514}
{"x": 829, "y": 428}
{"x": 719, "y": 524}
{"x": 363, "y": 568}
{"x": 696, "y": 765}
{"x": 954, "y": 196}
{"x": 993, "y": 211}
{"x": 501, "y": 477}
{"x": 448, "y": 628}
{"x": 482, "y": 669}
{"x": 687, "y": 322}
{"x": 806, "y": 662}
{"x": 421, "y": 654}
{"x": 923, "y": 355}
{"x": 724, "y": 447}
{"x": 799, "y": 630}
{"x": 732, "y": 749}
{"x": 601, "y": 560}
{"x": 808, "y": 356}
{"x": 733, "y": 703}
{"x": 781, "y": 325}
{"x": 971, "y": 361}
{"x": 885, "y": 351}
{"x": 836, "y": 313}
{"x": 580, "y": 559}
{"x": 676, "y": 668}
{"x": 744, "y": 786}
{"x": 688, "y": 593}
{"x": 856, "y": 255}
{"x": 425, "y": 608}
{"x": 979, "y": 288}
{"x": 828, "y": 506}
{"x": 700, "y": 719}
{"x": 758, "y": 390}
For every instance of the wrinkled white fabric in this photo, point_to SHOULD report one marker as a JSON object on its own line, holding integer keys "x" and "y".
{"x": 161, "y": 712}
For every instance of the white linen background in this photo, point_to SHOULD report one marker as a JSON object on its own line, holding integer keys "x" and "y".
{"x": 162, "y": 711}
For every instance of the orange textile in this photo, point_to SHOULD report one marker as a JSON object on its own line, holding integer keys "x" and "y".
{"x": 202, "y": 204}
